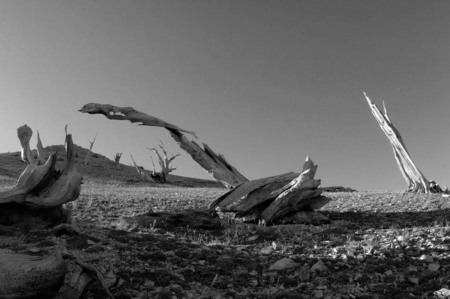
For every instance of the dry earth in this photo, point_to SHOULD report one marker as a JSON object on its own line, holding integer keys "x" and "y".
{"x": 377, "y": 244}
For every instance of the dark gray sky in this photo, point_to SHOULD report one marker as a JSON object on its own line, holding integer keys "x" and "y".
{"x": 266, "y": 83}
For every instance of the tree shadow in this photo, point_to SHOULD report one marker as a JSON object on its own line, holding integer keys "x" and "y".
{"x": 399, "y": 220}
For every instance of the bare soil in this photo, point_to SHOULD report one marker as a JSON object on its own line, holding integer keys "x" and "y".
{"x": 377, "y": 244}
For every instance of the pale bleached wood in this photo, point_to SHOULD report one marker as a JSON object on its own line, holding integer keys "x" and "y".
{"x": 32, "y": 180}
{"x": 270, "y": 199}
{"x": 40, "y": 150}
{"x": 140, "y": 170}
{"x": 130, "y": 114}
{"x": 214, "y": 164}
{"x": 301, "y": 193}
{"x": 23, "y": 275}
{"x": 65, "y": 189}
{"x": 41, "y": 186}
{"x": 415, "y": 180}
{"x": 252, "y": 193}
{"x": 165, "y": 162}
{"x": 24, "y": 134}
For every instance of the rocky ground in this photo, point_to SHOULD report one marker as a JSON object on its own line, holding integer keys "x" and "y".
{"x": 376, "y": 245}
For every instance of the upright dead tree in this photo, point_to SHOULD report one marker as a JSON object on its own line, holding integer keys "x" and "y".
{"x": 417, "y": 183}
{"x": 40, "y": 150}
{"x": 117, "y": 157}
{"x": 88, "y": 155}
{"x": 214, "y": 164}
{"x": 165, "y": 162}
{"x": 141, "y": 171}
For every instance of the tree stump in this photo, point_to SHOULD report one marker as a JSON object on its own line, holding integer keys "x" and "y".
{"x": 36, "y": 202}
{"x": 273, "y": 198}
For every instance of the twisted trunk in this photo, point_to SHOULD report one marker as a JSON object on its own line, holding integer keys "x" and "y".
{"x": 416, "y": 181}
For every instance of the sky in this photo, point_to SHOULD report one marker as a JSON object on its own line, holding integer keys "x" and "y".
{"x": 265, "y": 83}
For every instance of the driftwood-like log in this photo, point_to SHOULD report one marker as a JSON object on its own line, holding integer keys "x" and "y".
{"x": 270, "y": 199}
{"x": 417, "y": 183}
{"x": 214, "y": 164}
{"x": 24, "y": 276}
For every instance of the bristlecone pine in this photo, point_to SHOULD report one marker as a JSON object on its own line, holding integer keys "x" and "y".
{"x": 36, "y": 202}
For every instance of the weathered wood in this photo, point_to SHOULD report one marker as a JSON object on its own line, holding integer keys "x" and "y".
{"x": 40, "y": 150}
{"x": 24, "y": 134}
{"x": 32, "y": 181}
{"x": 252, "y": 193}
{"x": 214, "y": 164}
{"x": 65, "y": 189}
{"x": 165, "y": 162}
{"x": 23, "y": 275}
{"x": 41, "y": 190}
{"x": 417, "y": 183}
{"x": 140, "y": 170}
{"x": 273, "y": 198}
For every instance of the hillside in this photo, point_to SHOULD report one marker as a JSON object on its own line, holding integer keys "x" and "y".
{"x": 100, "y": 169}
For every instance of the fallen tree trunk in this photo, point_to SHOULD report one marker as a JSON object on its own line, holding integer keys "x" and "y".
{"x": 274, "y": 198}
{"x": 417, "y": 183}
{"x": 214, "y": 164}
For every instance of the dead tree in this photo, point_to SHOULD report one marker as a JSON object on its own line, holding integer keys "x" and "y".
{"x": 117, "y": 157}
{"x": 165, "y": 162}
{"x": 40, "y": 150}
{"x": 274, "y": 198}
{"x": 268, "y": 199}
{"x": 141, "y": 171}
{"x": 417, "y": 183}
{"x": 41, "y": 187}
{"x": 88, "y": 154}
{"x": 36, "y": 202}
{"x": 214, "y": 164}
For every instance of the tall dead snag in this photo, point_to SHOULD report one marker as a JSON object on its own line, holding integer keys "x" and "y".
{"x": 165, "y": 162}
{"x": 214, "y": 164}
{"x": 417, "y": 183}
{"x": 88, "y": 155}
{"x": 275, "y": 198}
{"x": 40, "y": 150}
{"x": 117, "y": 157}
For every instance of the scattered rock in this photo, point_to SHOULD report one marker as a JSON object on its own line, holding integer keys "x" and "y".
{"x": 283, "y": 264}
{"x": 318, "y": 267}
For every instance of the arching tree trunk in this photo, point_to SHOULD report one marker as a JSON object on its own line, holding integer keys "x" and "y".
{"x": 214, "y": 164}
